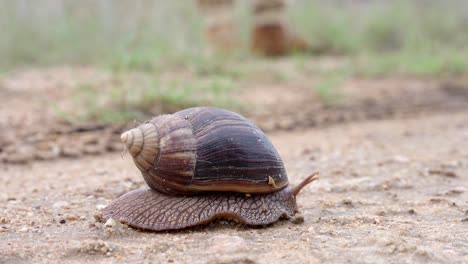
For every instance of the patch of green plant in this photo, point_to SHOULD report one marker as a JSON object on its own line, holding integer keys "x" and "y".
{"x": 328, "y": 85}
{"x": 44, "y": 32}
{"x": 325, "y": 27}
{"x": 393, "y": 26}
{"x": 204, "y": 66}
{"x": 137, "y": 99}
{"x": 413, "y": 63}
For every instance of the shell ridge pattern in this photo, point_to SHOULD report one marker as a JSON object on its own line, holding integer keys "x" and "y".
{"x": 142, "y": 144}
{"x": 195, "y": 150}
{"x": 158, "y": 158}
{"x": 230, "y": 148}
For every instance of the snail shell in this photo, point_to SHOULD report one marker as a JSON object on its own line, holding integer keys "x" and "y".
{"x": 205, "y": 149}
{"x": 201, "y": 164}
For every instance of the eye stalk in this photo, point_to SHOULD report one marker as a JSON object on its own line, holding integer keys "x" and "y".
{"x": 305, "y": 182}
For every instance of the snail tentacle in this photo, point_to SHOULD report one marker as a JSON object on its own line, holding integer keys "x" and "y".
{"x": 305, "y": 182}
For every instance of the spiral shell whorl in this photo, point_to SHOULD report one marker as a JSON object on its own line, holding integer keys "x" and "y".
{"x": 143, "y": 144}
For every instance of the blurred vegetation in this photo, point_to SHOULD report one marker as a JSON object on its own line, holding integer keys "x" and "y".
{"x": 367, "y": 38}
{"x": 389, "y": 37}
{"x": 141, "y": 97}
{"x": 409, "y": 37}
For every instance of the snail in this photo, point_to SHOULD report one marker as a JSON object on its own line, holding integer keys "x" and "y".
{"x": 202, "y": 164}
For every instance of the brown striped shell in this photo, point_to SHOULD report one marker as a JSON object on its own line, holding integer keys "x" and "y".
{"x": 205, "y": 149}
{"x": 201, "y": 164}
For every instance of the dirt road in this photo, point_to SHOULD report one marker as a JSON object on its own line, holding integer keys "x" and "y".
{"x": 390, "y": 191}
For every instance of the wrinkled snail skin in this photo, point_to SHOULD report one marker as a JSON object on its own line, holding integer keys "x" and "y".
{"x": 201, "y": 164}
{"x": 163, "y": 212}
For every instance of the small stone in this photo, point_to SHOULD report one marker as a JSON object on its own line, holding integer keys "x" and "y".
{"x": 437, "y": 200}
{"x": 71, "y": 217}
{"x": 401, "y": 159}
{"x": 347, "y": 202}
{"x": 411, "y": 211}
{"x": 97, "y": 246}
{"x": 62, "y": 221}
{"x": 71, "y": 151}
{"x": 4, "y": 220}
{"x": 23, "y": 230}
{"x": 455, "y": 192}
{"x": 223, "y": 244}
{"x": 98, "y": 217}
{"x": 297, "y": 219}
{"x": 110, "y": 223}
{"x": 100, "y": 206}
{"x": 442, "y": 172}
{"x": 113, "y": 227}
{"x": 61, "y": 204}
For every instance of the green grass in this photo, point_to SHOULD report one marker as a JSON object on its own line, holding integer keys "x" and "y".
{"x": 414, "y": 64}
{"x": 154, "y": 38}
{"x": 128, "y": 35}
{"x": 146, "y": 96}
{"x": 151, "y": 35}
{"x": 327, "y": 87}
{"x": 401, "y": 37}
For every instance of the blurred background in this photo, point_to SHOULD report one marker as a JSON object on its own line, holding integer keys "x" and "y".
{"x": 141, "y": 35}
{"x": 116, "y": 62}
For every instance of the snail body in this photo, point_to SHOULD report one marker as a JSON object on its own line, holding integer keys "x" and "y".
{"x": 201, "y": 164}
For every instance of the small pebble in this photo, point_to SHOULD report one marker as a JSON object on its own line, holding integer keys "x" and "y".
{"x": 61, "y": 204}
{"x": 71, "y": 217}
{"x": 442, "y": 172}
{"x": 223, "y": 244}
{"x": 98, "y": 246}
{"x": 63, "y": 221}
{"x": 98, "y": 217}
{"x": 110, "y": 223}
{"x": 297, "y": 219}
{"x": 347, "y": 202}
{"x": 401, "y": 159}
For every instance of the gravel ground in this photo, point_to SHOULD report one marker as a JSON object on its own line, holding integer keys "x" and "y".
{"x": 390, "y": 191}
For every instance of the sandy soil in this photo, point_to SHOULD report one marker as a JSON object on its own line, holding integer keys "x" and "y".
{"x": 391, "y": 191}
{"x": 393, "y": 159}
